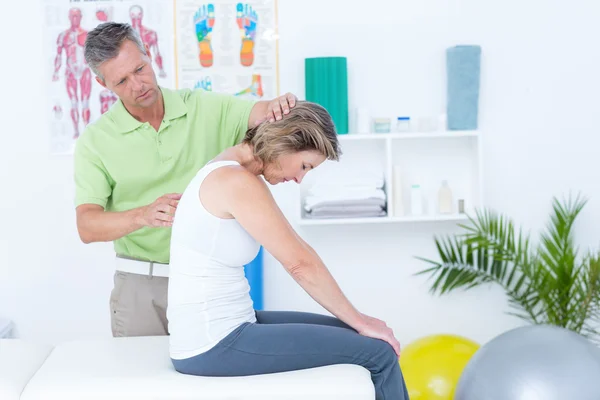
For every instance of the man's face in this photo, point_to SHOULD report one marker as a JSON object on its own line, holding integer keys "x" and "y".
{"x": 131, "y": 77}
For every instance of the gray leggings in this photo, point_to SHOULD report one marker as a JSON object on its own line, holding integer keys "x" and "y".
{"x": 307, "y": 341}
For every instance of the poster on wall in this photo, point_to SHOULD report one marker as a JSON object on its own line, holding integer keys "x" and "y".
{"x": 228, "y": 46}
{"x": 76, "y": 98}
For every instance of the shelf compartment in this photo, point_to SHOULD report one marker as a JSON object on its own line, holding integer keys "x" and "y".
{"x": 423, "y": 157}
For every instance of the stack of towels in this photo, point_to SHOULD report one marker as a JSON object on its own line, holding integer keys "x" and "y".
{"x": 351, "y": 195}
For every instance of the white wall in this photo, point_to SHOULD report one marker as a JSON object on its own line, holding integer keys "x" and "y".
{"x": 538, "y": 115}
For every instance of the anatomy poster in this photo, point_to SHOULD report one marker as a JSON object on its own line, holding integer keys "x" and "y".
{"x": 76, "y": 99}
{"x": 228, "y": 46}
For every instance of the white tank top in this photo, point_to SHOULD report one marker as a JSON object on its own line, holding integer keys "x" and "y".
{"x": 208, "y": 294}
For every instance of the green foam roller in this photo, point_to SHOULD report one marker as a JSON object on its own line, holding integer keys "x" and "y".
{"x": 326, "y": 81}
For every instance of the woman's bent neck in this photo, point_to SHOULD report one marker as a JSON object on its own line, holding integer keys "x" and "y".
{"x": 243, "y": 154}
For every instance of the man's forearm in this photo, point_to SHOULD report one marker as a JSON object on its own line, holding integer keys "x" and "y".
{"x": 106, "y": 226}
{"x": 258, "y": 113}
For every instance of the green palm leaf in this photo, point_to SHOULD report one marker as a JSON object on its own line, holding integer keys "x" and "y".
{"x": 547, "y": 284}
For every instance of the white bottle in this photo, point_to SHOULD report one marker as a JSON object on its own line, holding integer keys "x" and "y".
{"x": 445, "y": 198}
{"x": 397, "y": 192}
{"x": 416, "y": 200}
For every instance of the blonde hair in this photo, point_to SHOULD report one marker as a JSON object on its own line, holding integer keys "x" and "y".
{"x": 308, "y": 126}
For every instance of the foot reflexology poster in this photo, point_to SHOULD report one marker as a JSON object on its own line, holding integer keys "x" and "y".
{"x": 228, "y": 46}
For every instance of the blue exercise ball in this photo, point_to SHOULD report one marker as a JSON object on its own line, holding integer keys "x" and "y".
{"x": 537, "y": 362}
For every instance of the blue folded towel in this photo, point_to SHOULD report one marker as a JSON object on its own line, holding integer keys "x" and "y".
{"x": 463, "y": 65}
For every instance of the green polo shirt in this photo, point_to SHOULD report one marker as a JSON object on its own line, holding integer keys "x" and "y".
{"x": 121, "y": 163}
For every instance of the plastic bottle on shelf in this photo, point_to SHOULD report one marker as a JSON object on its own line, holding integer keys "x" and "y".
{"x": 461, "y": 206}
{"x": 445, "y": 198}
{"x": 397, "y": 192}
{"x": 416, "y": 200}
{"x": 403, "y": 124}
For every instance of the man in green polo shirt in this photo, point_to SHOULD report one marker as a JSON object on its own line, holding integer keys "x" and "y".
{"x": 133, "y": 162}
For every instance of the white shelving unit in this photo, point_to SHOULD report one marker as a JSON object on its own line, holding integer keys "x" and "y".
{"x": 425, "y": 158}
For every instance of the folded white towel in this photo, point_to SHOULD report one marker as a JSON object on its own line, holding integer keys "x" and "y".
{"x": 358, "y": 212}
{"x": 335, "y": 174}
{"x": 338, "y": 190}
{"x": 343, "y": 195}
{"x": 349, "y": 204}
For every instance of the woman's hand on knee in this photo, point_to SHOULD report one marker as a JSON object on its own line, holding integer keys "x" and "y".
{"x": 378, "y": 329}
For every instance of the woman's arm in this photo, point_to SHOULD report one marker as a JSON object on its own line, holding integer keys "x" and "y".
{"x": 249, "y": 201}
{"x": 236, "y": 192}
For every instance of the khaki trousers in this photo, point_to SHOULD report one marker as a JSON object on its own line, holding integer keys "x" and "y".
{"x": 138, "y": 305}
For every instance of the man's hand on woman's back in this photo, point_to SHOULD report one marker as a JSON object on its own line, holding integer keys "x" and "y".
{"x": 161, "y": 212}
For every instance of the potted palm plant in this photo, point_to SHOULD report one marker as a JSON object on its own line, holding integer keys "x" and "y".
{"x": 550, "y": 282}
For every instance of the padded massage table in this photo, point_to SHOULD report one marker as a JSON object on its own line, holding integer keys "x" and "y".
{"x": 140, "y": 368}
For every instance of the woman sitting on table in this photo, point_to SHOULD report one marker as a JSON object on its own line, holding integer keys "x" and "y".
{"x": 226, "y": 213}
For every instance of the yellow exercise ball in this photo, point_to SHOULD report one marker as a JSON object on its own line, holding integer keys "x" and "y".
{"x": 433, "y": 364}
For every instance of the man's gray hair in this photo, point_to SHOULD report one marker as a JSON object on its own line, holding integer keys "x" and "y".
{"x": 104, "y": 42}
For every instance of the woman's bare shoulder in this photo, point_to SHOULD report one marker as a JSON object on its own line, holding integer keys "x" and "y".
{"x": 227, "y": 185}
{"x": 232, "y": 176}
